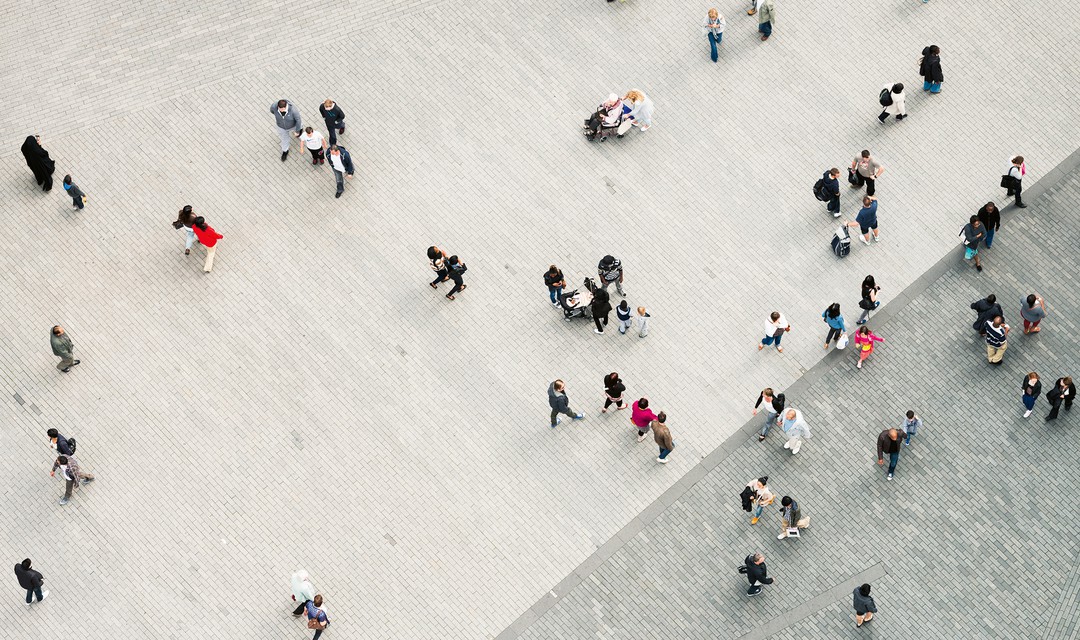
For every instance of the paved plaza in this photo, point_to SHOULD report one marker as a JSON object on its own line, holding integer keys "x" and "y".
{"x": 312, "y": 403}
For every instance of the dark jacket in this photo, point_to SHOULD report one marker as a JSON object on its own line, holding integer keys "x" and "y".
{"x": 551, "y": 279}
{"x": 885, "y": 444}
{"x": 334, "y": 115}
{"x": 1056, "y": 395}
{"x": 756, "y": 572}
{"x": 791, "y": 520}
{"x": 37, "y": 159}
{"x": 614, "y": 388}
{"x": 986, "y": 313}
{"x": 1031, "y": 390}
{"x": 747, "y": 497}
{"x": 601, "y": 302}
{"x": 930, "y": 67}
{"x": 863, "y": 604}
{"x": 28, "y": 578}
{"x": 346, "y": 159}
{"x": 990, "y": 219}
{"x": 830, "y": 186}
{"x": 62, "y": 446}
{"x": 557, "y": 399}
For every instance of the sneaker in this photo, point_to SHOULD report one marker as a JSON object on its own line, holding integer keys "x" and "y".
{"x": 754, "y": 520}
{"x": 622, "y": 407}
{"x": 580, "y": 416}
{"x": 787, "y": 445}
{"x": 889, "y": 477}
{"x": 63, "y": 501}
{"x": 1027, "y": 413}
{"x": 88, "y": 480}
{"x": 753, "y": 591}
{"x": 558, "y": 421}
{"x": 782, "y": 536}
{"x": 66, "y": 369}
{"x": 836, "y": 215}
{"x": 554, "y": 304}
{"x": 877, "y": 238}
{"x": 662, "y": 460}
{"x": 76, "y": 362}
{"x": 760, "y": 438}
{"x": 865, "y": 241}
{"x": 641, "y": 436}
{"x": 599, "y": 331}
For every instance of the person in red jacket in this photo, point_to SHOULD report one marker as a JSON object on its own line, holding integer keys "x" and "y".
{"x": 208, "y": 238}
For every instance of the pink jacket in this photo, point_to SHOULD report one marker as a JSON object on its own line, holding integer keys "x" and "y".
{"x": 868, "y": 340}
{"x": 641, "y": 417}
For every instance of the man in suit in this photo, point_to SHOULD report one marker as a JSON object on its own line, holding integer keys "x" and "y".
{"x": 1064, "y": 391}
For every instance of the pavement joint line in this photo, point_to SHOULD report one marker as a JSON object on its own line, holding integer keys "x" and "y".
{"x": 822, "y": 600}
{"x": 712, "y": 460}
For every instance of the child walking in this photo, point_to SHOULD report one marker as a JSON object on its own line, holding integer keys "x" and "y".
{"x": 622, "y": 312}
{"x": 865, "y": 340}
{"x": 315, "y": 143}
{"x": 78, "y": 198}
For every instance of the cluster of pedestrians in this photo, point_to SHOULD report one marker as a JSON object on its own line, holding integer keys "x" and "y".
{"x": 290, "y": 125}
{"x": 447, "y": 268}
{"x": 615, "y": 116}
{"x": 593, "y": 301}
{"x": 310, "y": 603}
{"x": 42, "y": 166}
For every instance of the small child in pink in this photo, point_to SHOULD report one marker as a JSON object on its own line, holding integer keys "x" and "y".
{"x": 864, "y": 342}
{"x": 641, "y": 415}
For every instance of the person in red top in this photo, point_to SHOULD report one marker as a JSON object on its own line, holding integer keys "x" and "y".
{"x": 641, "y": 415}
{"x": 208, "y": 238}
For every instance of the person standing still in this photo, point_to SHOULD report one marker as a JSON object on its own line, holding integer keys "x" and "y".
{"x": 555, "y": 283}
{"x": 1063, "y": 393}
{"x": 456, "y": 269}
{"x": 342, "y": 164}
{"x": 610, "y": 270}
{"x": 986, "y": 309}
{"x": 867, "y": 171}
{"x": 713, "y": 27}
{"x": 973, "y": 233}
{"x": 911, "y": 425}
{"x": 613, "y": 390}
{"x": 560, "y": 403}
{"x": 990, "y": 217}
{"x": 997, "y": 333}
{"x": 893, "y": 98}
{"x": 334, "y": 118}
{"x": 775, "y": 328}
{"x": 756, "y": 573}
{"x": 662, "y": 437}
{"x": 62, "y": 347}
{"x": 1013, "y": 180}
{"x": 864, "y": 605}
{"x": 830, "y": 187}
{"x": 78, "y": 198}
{"x": 643, "y": 321}
{"x": 37, "y": 158}
{"x": 773, "y": 405}
{"x": 622, "y": 314}
{"x": 763, "y": 497}
{"x": 601, "y": 308}
{"x": 30, "y": 580}
{"x": 766, "y": 17}
{"x": 316, "y": 616}
{"x": 889, "y": 441}
{"x": 790, "y": 518}
{"x": 1031, "y": 387}
{"x": 208, "y": 238}
{"x": 1032, "y": 311}
{"x": 930, "y": 69}
{"x": 438, "y": 265}
{"x": 71, "y": 473}
{"x": 288, "y": 124}
{"x": 302, "y": 591}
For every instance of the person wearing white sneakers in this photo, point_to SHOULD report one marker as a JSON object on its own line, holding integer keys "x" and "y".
{"x": 560, "y": 403}
{"x": 1032, "y": 387}
{"x": 775, "y": 328}
{"x": 889, "y": 441}
{"x": 31, "y": 581}
{"x": 662, "y": 436}
{"x": 796, "y": 430}
{"x": 866, "y": 220}
{"x": 790, "y": 515}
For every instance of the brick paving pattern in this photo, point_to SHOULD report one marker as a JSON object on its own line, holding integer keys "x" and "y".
{"x": 312, "y": 403}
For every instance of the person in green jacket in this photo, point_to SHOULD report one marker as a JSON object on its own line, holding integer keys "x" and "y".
{"x": 62, "y": 347}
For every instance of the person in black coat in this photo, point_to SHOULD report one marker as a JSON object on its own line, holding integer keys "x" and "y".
{"x": 57, "y": 439}
{"x": 990, "y": 216}
{"x": 987, "y": 308}
{"x": 756, "y": 573}
{"x": 831, "y": 188}
{"x": 1032, "y": 387}
{"x": 333, "y": 116}
{"x": 930, "y": 69}
{"x": 614, "y": 389}
{"x": 39, "y": 161}
{"x": 1064, "y": 391}
{"x": 31, "y": 581}
{"x": 601, "y": 307}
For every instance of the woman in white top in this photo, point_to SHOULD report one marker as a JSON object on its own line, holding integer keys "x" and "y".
{"x": 639, "y": 109}
{"x": 896, "y": 92}
{"x": 775, "y": 328}
{"x": 713, "y": 27}
{"x": 1015, "y": 174}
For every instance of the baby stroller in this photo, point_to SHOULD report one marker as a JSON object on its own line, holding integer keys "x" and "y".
{"x": 577, "y": 304}
{"x": 599, "y": 126}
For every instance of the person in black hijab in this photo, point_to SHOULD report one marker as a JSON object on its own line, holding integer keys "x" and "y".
{"x": 39, "y": 161}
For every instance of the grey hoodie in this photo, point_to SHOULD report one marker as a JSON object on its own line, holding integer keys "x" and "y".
{"x": 291, "y": 119}
{"x": 557, "y": 399}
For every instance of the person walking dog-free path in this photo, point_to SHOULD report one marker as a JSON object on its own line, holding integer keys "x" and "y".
{"x": 796, "y": 430}
{"x": 37, "y": 158}
{"x": 997, "y": 334}
{"x": 766, "y": 17}
{"x": 832, "y": 317}
{"x": 1031, "y": 387}
{"x": 334, "y": 118}
{"x": 288, "y": 124}
{"x": 1032, "y": 312}
{"x": 62, "y": 347}
{"x": 864, "y": 342}
{"x": 911, "y": 425}
{"x": 775, "y": 328}
{"x": 762, "y": 497}
{"x": 713, "y": 27}
{"x": 342, "y": 164}
{"x": 973, "y": 233}
{"x": 990, "y": 217}
{"x": 72, "y": 474}
{"x": 78, "y": 198}
{"x": 889, "y": 441}
{"x": 455, "y": 270}
{"x": 560, "y": 403}
{"x": 1064, "y": 392}
{"x": 893, "y": 98}
{"x": 756, "y": 573}
{"x": 555, "y": 283}
{"x": 613, "y": 390}
{"x": 773, "y": 405}
{"x": 641, "y": 416}
{"x": 316, "y": 616}
{"x": 302, "y": 591}
{"x": 30, "y": 580}
{"x": 208, "y": 238}
{"x": 662, "y": 437}
{"x": 867, "y": 171}
{"x": 868, "y": 298}
{"x": 864, "y": 605}
{"x": 1012, "y": 180}
{"x": 830, "y": 190}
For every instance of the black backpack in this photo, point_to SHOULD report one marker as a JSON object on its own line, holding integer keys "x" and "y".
{"x": 71, "y": 444}
{"x": 885, "y": 98}
{"x": 819, "y": 190}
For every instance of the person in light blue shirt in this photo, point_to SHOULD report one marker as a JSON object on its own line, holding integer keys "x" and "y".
{"x": 911, "y": 425}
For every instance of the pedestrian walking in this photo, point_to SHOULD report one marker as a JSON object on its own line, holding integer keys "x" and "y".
{"x": 889, "y": 441}
{"x": 334, "y": 118}
{"x": 641, "y": 416}
{"x": 611, "y": 270}
{"x": 185, "y": 221}
{"x": 868, "y": 300}
{"x": 39, "y": 162}
{"x": 892, "y": 97}
{"x": 1032, "y": 312}
{"x": 864, "y": 342}
{"x": 207, "y": 237}
{"x": 866, "y": 220}
{"x": 830, "y": 191}
{"x": 78, "y": 198}
{"x": 864, "y": 605}
{"x": 455, "y": 270}
{"x": 288, "y": 124}
{"x": 316, "y": 616}
{"x": 64, "y": 446}
{"x": 930, "y": 69}
{"x": 766, "y": 17}
{"x": 638, "y": 108}
{"x": 997, "y": 333}
{"x": 772, "y": 404}
{"x": 1031, "y": 387}
{"x": 832, "y": 317}
{"x": 302, "y": 591}
{"x": 756, "y": 573}
{"x": 796, "y": 430}
{"x": 713, "y": 28}
{"x": 555, "y": 282}
{"x": 622, "y": 314}
{"x": 438, "y": 265}
{"x": 1063, "y": 393}
{"x": 315, "y": 144}
{"x": 601, "y": 308}
{"x": 973, "y": 233}
{"x": 775, "y": 328}
{"x": 867, "y": 171}
{"x": 62, "y": 347}
{"x": 560, "y": 403}
{"x": 662, "y": 437}
{"x": 762, "y": 497}
{"x": 30, "y": 580}
{"x": 986, "y": 309}
{"x": 791, "y": 518}
{"x": 71, "y": 473}
{"x": 613, "y": 389}
{"x": 643, "y": 321}
{"x": 910, "y": 426}
{"x": 1012, "y": 180}
{"x": 990, "y": 217}
{"x": 342, "y": 164}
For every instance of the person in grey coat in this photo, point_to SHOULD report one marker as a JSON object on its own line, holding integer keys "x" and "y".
{"x": 560, "y": 403}
{"x": 78, "y": 198}
{"x": 864, "y": 605}
{"x": 62, "y": 347}
{"x": 288, "y": 119}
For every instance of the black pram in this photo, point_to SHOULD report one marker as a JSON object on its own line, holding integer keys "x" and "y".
{"x": 576, "y": 304}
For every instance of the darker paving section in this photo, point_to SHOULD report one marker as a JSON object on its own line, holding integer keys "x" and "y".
{"x": 975, "y": 534}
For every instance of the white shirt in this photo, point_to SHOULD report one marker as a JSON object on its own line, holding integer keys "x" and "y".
{"x": 771, "y": 327}
{"x": 313, "y": 141}
{"x": 335, "y": 162}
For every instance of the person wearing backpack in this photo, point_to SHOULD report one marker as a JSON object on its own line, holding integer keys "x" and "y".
{"x": 930, "y": 69}
{"x": 455, "y": 269}
{"x": 892, "y": 98}
{"x": 827, "y": 190}
{"x": 64, "y": 446}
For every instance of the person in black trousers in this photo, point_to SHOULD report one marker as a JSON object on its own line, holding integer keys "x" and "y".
{"x": 455, "y": 269}
{"x": 990, "y": 216}
{"x": 31, "y": 581}
{"x": 831, "y": 188}
{"x": 756, "y": 573}
{"x": 1013, "y": 180}
{"x": 987, "y": 308}
{"x": 1063, "y": 391}
{"x": 601, "y": 307}
{"x": 333, "y": 116}
{"x": 438, "y": 265}
{"x": 614, "y": 388}
{"x": 64, "y": 446}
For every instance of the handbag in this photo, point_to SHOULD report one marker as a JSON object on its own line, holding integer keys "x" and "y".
{"x": 313, "y": 623}
{"x": 842, "y": 342}
{"x": 851, "y": 178}
{"x": 1007, "y": 181}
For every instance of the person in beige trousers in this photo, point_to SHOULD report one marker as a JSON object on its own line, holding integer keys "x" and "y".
{"x": 208, "y": 238}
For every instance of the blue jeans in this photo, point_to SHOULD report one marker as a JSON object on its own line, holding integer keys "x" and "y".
{"x": 664, "y": 452}
{"x": 340, "y": 177}
{"x": 989, "y": 237}
{"x": 33, "y": 592}
{"x": 765, "y": 28}
{"x": 770, "y": 420}
{"x": 910, "y": 435}
{"x": 932, "y": 87}
{"x": 767, "y": 340}
{"x": 893, "y": 459}
{"x": 555, "y": 292}
{"x": 758, "y": 509}
{"x": 714, "y": 42}
{"x": 1029, "y": 402}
